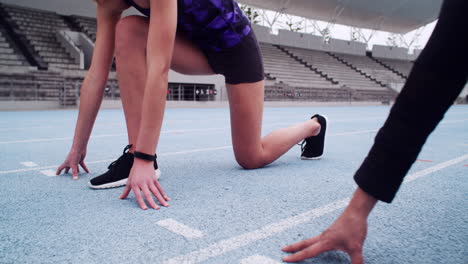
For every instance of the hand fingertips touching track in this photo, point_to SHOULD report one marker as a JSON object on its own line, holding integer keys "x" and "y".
{"x": 357, "y": 258}
{"x": 158, "y": 195}
{"x": 75, "y": 172}
{"x": 139, "y": 197}
{"x": 125, "y": 192}
{"x": 156, "y": 183}
{"x": 83, "y": 165}
{"x": 149, "y": 198}
{"x": 306, "y": 253}
{"x": 301, "y": 245}
{"x": 59, "y": 170}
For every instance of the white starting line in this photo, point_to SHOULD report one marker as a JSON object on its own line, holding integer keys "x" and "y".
{"x": 224, "y": 246}
{"x": 29, "y": 164}
{"x": 259, "y": 260}
{"x": 180, "y": 229}
{"x": 177, "y": 152}
{"x": 48, "y": 173}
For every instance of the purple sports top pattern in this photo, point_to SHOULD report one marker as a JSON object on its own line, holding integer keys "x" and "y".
{"x": 211, "y": 24}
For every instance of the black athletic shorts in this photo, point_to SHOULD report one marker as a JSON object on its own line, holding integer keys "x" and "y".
{"x": 242, "y": 63}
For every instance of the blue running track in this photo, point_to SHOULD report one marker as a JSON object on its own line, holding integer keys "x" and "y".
{"x": 220, "y": 213}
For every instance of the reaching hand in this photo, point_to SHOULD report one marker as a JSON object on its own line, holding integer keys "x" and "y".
{"x": 72, "y": 161}
{"x": 142, "y": 178}
{"x": 347, "y": 234}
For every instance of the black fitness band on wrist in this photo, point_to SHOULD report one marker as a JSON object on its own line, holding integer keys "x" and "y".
{"x": 144, "y": 156}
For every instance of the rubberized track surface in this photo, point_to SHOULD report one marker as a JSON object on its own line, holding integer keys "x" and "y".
{"x": 220, "y": 213}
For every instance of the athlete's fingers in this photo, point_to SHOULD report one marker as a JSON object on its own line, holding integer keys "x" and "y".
{"x": 59, "y": 170}
{"x": 306, "y": 253}
{"x": 356, "y": 257}
{"x": 149, "y": 198}
{"x": 141, "y": 202}
{"x": 125, "y": 193}
{"x": 158, "y": 195}
{"x": 83, "y": 165}
{"x": 301, "y": 244}
{"x": 156, "y": 183}
{"x": 75, "y": 171}
{"x": 67, "y": 169}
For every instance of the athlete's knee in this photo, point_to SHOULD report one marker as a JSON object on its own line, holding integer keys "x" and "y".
{"x": 130, "y": 31}
{"x": 249, "y": 161}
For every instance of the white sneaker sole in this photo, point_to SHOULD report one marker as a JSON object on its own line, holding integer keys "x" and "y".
{"x": 116, "y": 184}
{"x": 314, "y": 158}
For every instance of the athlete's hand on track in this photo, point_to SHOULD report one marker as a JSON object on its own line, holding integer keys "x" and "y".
{"x": 74, "y": 158}
{"x": 347, "y": 234}
{"x": 142, "y": 179}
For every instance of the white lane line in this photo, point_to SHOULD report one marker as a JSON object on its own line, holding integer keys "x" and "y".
{"x": 49, "y": 173}
{"x": 197, "y": 130}
{"x": 230, "y": 244}
{"x": 355, "y": 132}
{"x": 179, "y": 131}
{"x": 259, "y": 260}
{"x": 195, "y": 151}
{"x": 29, "y": 164}
{"x": 435, "y": 168}
{"x": 34, "y": 140}
{"x": 180, "y": 229}
{"x": 109, "y": 135}
{"x": 110, "y": 160}
{"x": 168, "y": 121}
{"x": 55, "y": 139}
{"x": 181, "y": 152}
{"x": 454, "y": 121}
{"x": 224, "y": 246}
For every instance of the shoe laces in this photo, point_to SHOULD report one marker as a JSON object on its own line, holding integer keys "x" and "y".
{"x": 302, "y": 144}
{"x": 115, "y": 162}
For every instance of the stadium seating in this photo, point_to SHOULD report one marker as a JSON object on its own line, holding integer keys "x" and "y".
{"x": 284, "y": 92}
{"x": 9, "y": 56}
{"x": 40, "y": 28}
{"x": 402, "y": 66}
{"x": 372, "y": 68}
{"x": 292, "y": 74}
{"x": 336, "y": 69}
{"x": 287, "y": 70}
{"x": 86, "y": 25}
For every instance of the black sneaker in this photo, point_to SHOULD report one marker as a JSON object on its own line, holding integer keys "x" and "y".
{"x": 118, "y": 172}
{"x": 312, "y": 147}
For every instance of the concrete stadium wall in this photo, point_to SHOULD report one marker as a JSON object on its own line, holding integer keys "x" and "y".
{"x": 66, "y": 7}
{"x": 386, "y": 52}
{"x": 308, "y": 41}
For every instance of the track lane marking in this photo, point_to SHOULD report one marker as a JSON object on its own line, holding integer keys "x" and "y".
{"x": 224, "y": 246}
{"x": 257, "y": 259}
{"x": 48, "y": 173}
{"x": 180, "y": 229}
{"x": 179, "y": 152}
{"x": 422, "y": 160}
{"x": 180, "y": 131}
{"x": 227, "y": 245}
{"x": 435, "y": 168}
{"x": 29, "y": 164}
{"x": 110, "y": 160}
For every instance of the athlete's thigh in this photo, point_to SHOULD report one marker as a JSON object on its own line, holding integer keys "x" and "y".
{"x": 186, "y": 58}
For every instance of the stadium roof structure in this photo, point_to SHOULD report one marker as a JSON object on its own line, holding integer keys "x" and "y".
{"x": 395, "y": 16}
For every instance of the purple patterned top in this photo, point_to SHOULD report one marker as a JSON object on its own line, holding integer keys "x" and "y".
{"x": 211, "y": 24}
